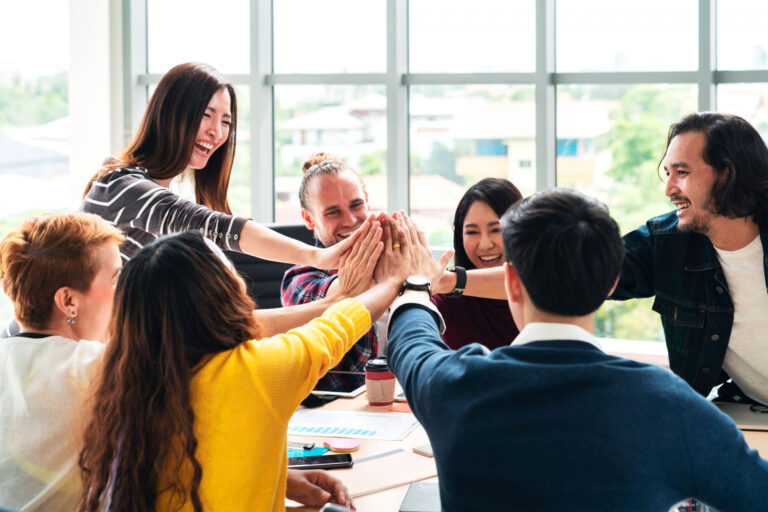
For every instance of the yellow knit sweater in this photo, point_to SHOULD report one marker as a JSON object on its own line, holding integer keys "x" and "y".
{"x": 243, "y": 399}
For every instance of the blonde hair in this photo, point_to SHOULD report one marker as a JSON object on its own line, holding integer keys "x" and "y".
{"x": 321, "y": 164}
{"x": 46, "y": 253}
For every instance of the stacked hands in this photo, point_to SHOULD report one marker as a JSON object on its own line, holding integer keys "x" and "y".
{"x": 388, "y": 247}
{"x": 385, "y": 248}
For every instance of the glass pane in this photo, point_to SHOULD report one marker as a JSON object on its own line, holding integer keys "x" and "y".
{"x": 605, "y": 35}
{"x": 239, "y": 193}
{"x": 349, "y": 122}
{"x": 749, "y": 101}
{"x": 742, "y": 41}
{"x": 609, "y": 143}
{"x": 480, "y": 36}
{"x": 34, "y": 115}
{"x": 192, "y": 30}
{"x": 461, "y": 134}
{"x": 333, "y": 36}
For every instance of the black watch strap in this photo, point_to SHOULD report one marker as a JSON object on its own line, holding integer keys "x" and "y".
{"x": 461, "y": 282}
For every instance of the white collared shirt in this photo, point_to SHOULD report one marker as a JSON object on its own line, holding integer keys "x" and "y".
{"x": 541, "y": 331}
{"x": 416, "y": 298}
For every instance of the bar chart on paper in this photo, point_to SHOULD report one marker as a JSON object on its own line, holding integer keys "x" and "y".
{"x": 361, "y": 425}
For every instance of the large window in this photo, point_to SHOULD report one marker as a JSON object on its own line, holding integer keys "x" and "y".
{"x": 461, "y": 134}
{"x": 349, "y": 122}
{"x": 34, "y": 115}
{"x": 422, "y": 97}
{"x": 605, "y": 35}
{"x": 471, "y": 37}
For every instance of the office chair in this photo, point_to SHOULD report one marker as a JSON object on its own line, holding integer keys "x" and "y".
{"x": 263, "y": 277}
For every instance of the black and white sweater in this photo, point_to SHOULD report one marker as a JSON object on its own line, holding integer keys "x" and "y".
{"x": 144, "y": 210}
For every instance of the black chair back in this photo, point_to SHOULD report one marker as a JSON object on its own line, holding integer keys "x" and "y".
{"x": 263, "y": 277}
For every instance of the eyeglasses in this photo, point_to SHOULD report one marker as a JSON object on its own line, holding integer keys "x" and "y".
{"x": 759, "y": 409}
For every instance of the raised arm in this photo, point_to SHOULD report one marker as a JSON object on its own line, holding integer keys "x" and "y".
{"x": 354, "y": 277}
{"x": 486, "y": 283}
{"x": 262, "y": 242}
{"x": 357, "y": 265}
{"x": 131, "y": 200}
{"x": 636, "y": 279}
{"x": 318, "y": 345}
{"x": 279, "y": 320}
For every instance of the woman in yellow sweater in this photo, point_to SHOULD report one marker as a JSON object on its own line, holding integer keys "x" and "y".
{"x": 193, "y": 408}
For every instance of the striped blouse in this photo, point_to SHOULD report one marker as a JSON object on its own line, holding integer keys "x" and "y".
{"x": 144, "y": 210}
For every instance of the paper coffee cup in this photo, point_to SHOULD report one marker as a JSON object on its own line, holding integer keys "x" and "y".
{"x": 379, "y": 383}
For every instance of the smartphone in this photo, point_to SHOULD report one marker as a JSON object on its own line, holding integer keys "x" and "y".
{"x": 339, "y": 460}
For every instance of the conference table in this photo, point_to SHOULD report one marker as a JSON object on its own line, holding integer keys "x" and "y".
{"x": 377, "y": 459}
{"x": 387, "y": 459}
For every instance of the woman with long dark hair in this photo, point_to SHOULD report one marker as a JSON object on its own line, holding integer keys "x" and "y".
{"x": 193, "y": 408}
{"x": 190, "y": 124}
{"x": 477, "y": 244}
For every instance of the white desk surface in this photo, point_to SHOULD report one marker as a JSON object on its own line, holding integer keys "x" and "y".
{"x": 382, "y": 501}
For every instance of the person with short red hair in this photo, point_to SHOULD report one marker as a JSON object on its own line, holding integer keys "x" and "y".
{"x": 59, "y": 271}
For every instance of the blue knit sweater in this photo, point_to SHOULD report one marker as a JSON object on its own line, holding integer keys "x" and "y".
{"x": 560, "y": 425}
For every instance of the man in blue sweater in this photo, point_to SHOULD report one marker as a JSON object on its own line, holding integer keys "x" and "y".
{"x": 552, "y": 422}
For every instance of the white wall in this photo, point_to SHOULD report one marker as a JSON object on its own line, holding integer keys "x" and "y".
{"x": 95, "y": 90}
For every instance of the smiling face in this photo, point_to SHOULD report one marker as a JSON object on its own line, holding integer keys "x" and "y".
{"x": 338, "y": 205}
{"x": 482, "y": 236}
{"x": 213, "y": 130}
{"x": 690, "y": 182}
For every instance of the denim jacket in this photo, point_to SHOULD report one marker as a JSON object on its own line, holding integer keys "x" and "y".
{"x": 682, "y": 270}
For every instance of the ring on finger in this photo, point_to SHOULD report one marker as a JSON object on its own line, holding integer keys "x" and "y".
{"x": 396, "y": 245}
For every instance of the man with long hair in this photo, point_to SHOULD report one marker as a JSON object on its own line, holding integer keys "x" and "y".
{"x": 707, "y": 262}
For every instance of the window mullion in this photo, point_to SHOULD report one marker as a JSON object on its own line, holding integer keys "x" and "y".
{"x": 262, "y": 167}
{"x": 546, "y": 171}
{"x": 398, "y": 159}
{"x": 707, "y": 56}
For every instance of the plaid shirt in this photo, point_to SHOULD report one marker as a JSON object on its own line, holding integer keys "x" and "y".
{"x": 303, "y": 284}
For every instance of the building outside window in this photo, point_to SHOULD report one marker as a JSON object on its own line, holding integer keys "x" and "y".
{"x": 35, "y": 128}
{"x": 422, "y": 97}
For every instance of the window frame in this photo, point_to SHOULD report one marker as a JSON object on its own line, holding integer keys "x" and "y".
{"x": 397, "y": 81}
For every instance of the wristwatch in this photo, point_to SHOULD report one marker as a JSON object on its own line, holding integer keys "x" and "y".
{"x": 461, "y": 281}
{"x": 416, "y": 283}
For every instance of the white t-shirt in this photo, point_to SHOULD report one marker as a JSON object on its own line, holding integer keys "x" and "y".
{"x": 746, "y": 359}
{"x": 44, "y": 383}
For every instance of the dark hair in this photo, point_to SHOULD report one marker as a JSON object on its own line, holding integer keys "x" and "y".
{"x": 566, "y": 249}
{"x": 175, "y": 303}
{"x": 732, "y": 144}
{"x": 166, "y": 136}
{"x": 321, "y": 164}
{"x": 497, "y": 193}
